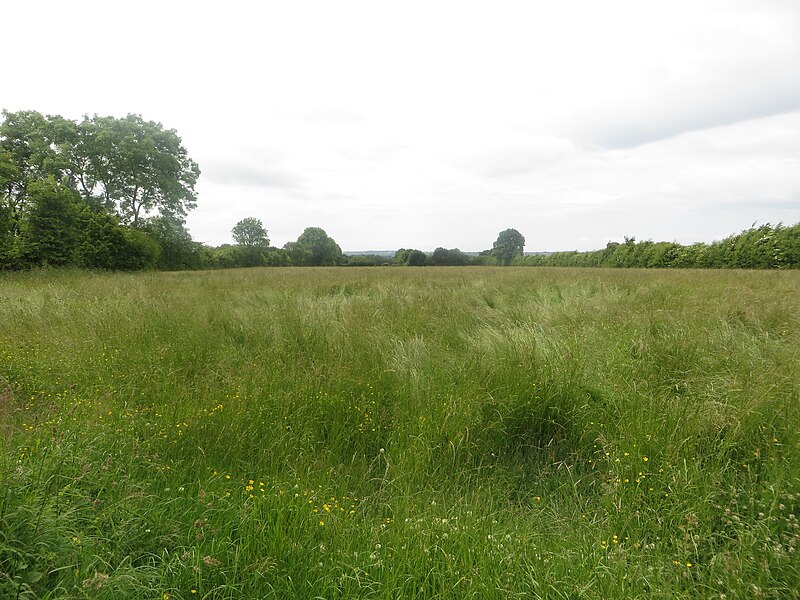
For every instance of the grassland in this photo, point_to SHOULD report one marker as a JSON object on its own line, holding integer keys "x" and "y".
{"x": 400, "y": 433}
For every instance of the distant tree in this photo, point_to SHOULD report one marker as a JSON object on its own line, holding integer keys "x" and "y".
{"x": 365, "y": 260}
{"x": 440, "y": 257}
{"x": 401, "y": 256}
{"x": 276, "y": 257}
{"x": 314, "y": 248}
{"x": 416, "y": 258}
{"x": 508, "y": 246}
{"x": 250, "y": 232}
{"x": 453, "y": 257}
{"x": 457, "y": 258}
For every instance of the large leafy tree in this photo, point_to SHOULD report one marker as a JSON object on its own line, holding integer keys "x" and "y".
{"x": 314, "y": 248}
{"x": 139, "y": 167}
{"x": 71, "y": 191}
{"x": 508, "y": 246}
{"x": 133, "y": 166}
{"x": 26, "y": 156}
{"x": 250, "y": 232}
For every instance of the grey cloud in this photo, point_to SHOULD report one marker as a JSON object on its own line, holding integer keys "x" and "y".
{"x": 723, "y": 74}
{"x": 620, "y": 132}
{"x": 225, "y": 171}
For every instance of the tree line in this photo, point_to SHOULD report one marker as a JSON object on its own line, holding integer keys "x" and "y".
{"x": 315, "y": 247}
{"x": 113, "y": 193}
{"x": 764, "y": 247}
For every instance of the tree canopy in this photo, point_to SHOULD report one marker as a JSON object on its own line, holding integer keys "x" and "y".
{"x": 314, "y": 248}
{"x": 131, "y": 166}
{"x": 508, "y": 246}
{"x": 250, "y": 232}
{"x": 70, "y": 191}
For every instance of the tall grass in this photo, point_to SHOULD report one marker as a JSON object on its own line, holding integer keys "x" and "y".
{"x": 400, "y": 433}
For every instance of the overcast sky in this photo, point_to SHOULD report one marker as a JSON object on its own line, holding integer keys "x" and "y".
{"x": 424, "y": 124}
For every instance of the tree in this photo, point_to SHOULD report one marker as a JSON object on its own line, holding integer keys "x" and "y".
{"x": 250, "y": 232}
{"x": 68, "y": 189}
{"x": 508, "y": 246}
{"x": 178, "y": 250}
{"x": 136, "y": 166}
{"x": 440, "y": 257}
{"x": 457, "y": 258}
{"x": 25, "y": 156}
{"x": 50, "y": 231}
{"x": 314, "y": 248}
{"x": 416, "y": 258}
{"x": 105, "y": 244}
{"x": 453, "y": 257}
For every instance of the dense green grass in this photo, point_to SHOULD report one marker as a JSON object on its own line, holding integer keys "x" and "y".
{"x": 400, "y": 433}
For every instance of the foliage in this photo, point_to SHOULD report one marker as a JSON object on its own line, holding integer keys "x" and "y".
{"x": 314, "y": 248}
{"x": 250, "y": 232}
{"x": 508, "y": 246}
{"x": 65, "y": 188}
{"x": 410, "y": 257}
{"x": 229, "y": 256}
{"x": 177, "y": 249}
{"x": 138, "y": 166}
{"x": 50, "y": 232}
{"x": 763, "y": 247}
{"x": 449, "y": 258}
{"x": 366, "y": 260}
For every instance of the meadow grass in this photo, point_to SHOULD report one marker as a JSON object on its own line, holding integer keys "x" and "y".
{"x": 400, "y": 433}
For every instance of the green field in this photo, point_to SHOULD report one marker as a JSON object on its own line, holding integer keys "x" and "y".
{"x": 400, "y": 433}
